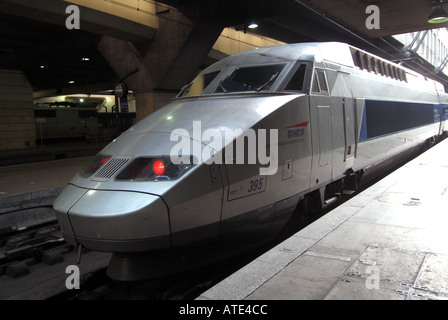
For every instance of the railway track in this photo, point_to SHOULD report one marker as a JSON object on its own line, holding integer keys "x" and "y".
{"x": 20, "y": 248}
{"x": 33, "y": 253}
{"x": 183, "y": 286}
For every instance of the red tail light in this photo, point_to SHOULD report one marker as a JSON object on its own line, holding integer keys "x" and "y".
{"x": 92, "y": 167}
{"x": 153, "y": 169}
{"x": 158, "y": 167}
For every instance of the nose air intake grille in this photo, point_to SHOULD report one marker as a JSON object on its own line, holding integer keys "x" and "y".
{"x": 111, "y": 167}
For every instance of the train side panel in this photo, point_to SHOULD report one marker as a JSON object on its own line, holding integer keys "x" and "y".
{"x": 253, "y": 202}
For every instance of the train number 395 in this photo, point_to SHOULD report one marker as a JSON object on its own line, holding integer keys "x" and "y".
{"x": 255, "y": 185}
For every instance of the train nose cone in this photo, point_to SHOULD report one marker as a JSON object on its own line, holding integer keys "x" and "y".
{"x": 113, "y": 221}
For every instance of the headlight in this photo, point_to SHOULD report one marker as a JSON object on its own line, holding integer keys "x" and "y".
{"x": 153, "y": 169}
{"x": 93, "y": 166}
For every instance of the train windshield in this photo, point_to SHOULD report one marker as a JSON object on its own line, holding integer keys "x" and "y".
{"x": 247, "y": 78}
{"x": 251, "y": 78}
{"x": 198, "y": 85}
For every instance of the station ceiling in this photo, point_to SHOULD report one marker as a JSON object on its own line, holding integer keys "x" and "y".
{"x": 52, "y": 56}
{"x": 398, "y": 16}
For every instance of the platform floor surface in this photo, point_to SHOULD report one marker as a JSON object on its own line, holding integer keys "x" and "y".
{"x": 390, "y": 242}
{"x": 30, "y": 177}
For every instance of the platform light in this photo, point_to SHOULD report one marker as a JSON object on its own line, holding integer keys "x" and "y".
{"x": 438, "y": 15}
{"x": 85, "y": 59}
{"x": 71, "y": 82}
{"x": 253, "y": 26}
{"x": 42, "y": 67}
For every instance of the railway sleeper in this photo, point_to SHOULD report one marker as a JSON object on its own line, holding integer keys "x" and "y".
{"x": 12, "y": 236}
{"x": 17, "y": 264}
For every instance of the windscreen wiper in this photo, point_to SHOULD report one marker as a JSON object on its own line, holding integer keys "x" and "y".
{"x": 184, "y": 89}
{"x": 222, "y": 87}
{"x": 272, "y": 79}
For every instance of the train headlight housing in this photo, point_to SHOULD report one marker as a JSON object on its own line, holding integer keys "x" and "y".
{"x": 93, "y": 166}
{"x": 153, "y": 169}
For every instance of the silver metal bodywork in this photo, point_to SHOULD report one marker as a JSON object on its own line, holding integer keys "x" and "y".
{"x": 318, "y": 143}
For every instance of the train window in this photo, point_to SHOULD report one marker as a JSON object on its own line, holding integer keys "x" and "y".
{"x": 380, "y": 67}
{"x": 199, "y": 84}
{"x": 315, "y": 88}
{"x": 366, "y": 62}
{"x": 390, "y": 72}
{"x": 405, "y": 79}
{"x": 208, "y": 78}
{"x": 296, "y": 83}
{"x": 359, "y": 60}
{"x": 45, "y": 113}
{"x": 372, "y": 65}
{"x": 386, "y": 71}
{"x": 252, "y": 78}
{"x": 322, "y": 80}
{"x": 319, "y": 82}
{"x": 395, "y": 73}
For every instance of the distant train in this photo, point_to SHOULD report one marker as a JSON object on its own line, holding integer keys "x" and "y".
{"x": 338, "y": 112}
{"x": 90, "y": 118}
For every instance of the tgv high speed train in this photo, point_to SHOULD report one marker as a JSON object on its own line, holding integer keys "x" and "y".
{"x": 224, "y": 166}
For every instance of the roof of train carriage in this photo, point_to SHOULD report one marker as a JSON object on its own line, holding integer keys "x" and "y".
{"x": 336, "y": 52}
{"x": 310, "y": 51}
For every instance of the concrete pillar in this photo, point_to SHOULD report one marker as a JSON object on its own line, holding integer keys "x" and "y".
{"x": 157, "y": 69}
{"x": 17, "y": 123}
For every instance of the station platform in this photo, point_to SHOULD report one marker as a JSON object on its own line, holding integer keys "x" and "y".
{"x": 28, "y": 190}
{"x": 35, "y": 176}
{"x": 38, "y": 176}
{"x": 55, "y": 151}
{"x": 390, "y": 242}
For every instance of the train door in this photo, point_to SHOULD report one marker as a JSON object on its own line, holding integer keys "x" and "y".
{"x": 321, "y": 115}
{"x": 349, "y": 109}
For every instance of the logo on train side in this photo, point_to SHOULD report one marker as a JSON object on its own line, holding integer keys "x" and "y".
{"x": 216, "y": 140}
{"x": 297, "y": 130}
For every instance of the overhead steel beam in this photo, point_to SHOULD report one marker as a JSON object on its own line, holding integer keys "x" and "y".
{"x": 417, "y": 40}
